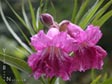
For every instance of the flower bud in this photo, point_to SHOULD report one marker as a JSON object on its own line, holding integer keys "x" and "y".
{"x": 63, "y": 25}
{"x": 46, "y": 19}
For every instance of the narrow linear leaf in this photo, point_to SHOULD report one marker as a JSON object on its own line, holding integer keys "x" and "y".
{"x": 108, "y": 81}
{"x": 26, "y": 18}
{"x": 37, "y": 19}
{"x": 105, "y": 76}
{"x": 32, "y": 15}
{"x": 2, "y": 81}
{"x": 53, "y": 80}
{"x": 57, "y": 81}
{"x": 90, "y": 14}
{"x": 42, "y": 80}
{"x": 101, "y": 11}
{"x": 103, "y": 19}
{"x": 39, "y": 11}
{"x": 96, "y": 80}
{"x": 81, "y": 10}
{"x": 41, "y": 6}
{"x": 45, "y": 4}
{"x": 74, "y": 11}
{"x": 13, "y": 33}
{"x": 92, "y": 74}
{"x": 26, "y": 38}
{"x": 15, "y": 62}
{"x": 20, "y": 19}
{"x": 17, "y": 76}
{"x": 54, "y": 9}
{"x": 41, "y": 2}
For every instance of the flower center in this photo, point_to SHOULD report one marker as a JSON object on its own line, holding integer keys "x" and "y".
{"x": 84, "y": 44}
{"x": 54, "y": 52}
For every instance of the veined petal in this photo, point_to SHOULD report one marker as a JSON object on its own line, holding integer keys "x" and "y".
{"x": 93, "y": 34}
{"x": 32, "y": 60}
{"x": 51, "y": 62}
{"x": 67, "y": 67}
{"x": 101, "y": 51}
{"x": 74, "y": 30}
{"x": 83, "y": 59}
{"x": 88, "y": 58}
{"x": 63, "y": 41}
{"x": 37, "y": 74}
{"x": 101, "y": 54}
{"x": 40, "y": 40}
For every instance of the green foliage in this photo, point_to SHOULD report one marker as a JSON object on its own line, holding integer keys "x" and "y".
{"x": 95, "y": 15}
{"x": 12, "y": 31}
{"x": 17, "y": 76}
{"x": 101, "y": 12}
{"x": 20, "y": 19}
{"x": 32, "y": 15}
{"x": 37, "y": 19}
{"x": 108, "y": 81}
{"x": 12, "y": 46}
{"x": 2, "y": 81}
{"x": 102, "y": 80}
{"x": 74, "y": 11}
{"x": 15, "y": 62}
{"x": 96, "y": 80}
{"x": 81, "y": 10}
{"x": 90, "y": 14}
{"x": 23, "y": 34}
{"x": 103, "y": 19}
{"x": 54, "y": 10}
{"x": 27, "y": 22}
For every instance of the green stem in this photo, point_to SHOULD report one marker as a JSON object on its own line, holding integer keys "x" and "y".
{"x": 52, "y": 81}
{"x": 92, "y": 74}
{"x": 42, "y": 80}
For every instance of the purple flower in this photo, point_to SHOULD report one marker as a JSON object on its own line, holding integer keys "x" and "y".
{"x": 88, "y": 55}
{"x": 47, "y": 19}
{"x": 52, "y": 58}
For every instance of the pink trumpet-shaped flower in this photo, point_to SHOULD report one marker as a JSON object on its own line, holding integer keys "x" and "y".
{"x": 88, "y": 55}
{"x": 52, "y": 59}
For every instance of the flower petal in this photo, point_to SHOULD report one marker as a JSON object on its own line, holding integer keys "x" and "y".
{"x": 63, "y": 41}
{"x": 74, "y": 30}
{"x": 32, "y": 60}
{"x": 101, "y": 54}
{"x": 52, "y": 32}
{"x": 93, "y": 34}
{"x": 88, "y": 58}
{"x": 58, "y": 64}
{"x": 40, "y": 40}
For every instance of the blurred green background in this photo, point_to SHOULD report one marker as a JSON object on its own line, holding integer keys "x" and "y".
{"x": 62, "y": 10}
